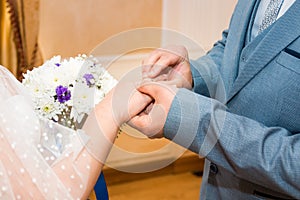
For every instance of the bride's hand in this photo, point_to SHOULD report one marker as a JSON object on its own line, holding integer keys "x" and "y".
{"x": 169, "y": 64}
{"x": 122, "y": 103}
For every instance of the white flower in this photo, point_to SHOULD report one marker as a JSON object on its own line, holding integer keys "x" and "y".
{"x": 83, "y": 101}
{"x": 49, "y": 108}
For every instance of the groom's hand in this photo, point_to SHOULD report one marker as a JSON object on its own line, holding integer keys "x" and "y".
{"x": 151, "y": 121}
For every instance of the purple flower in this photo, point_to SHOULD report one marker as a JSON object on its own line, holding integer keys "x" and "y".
{"x": 88, "y": 79}
{"x": 63, "y": 94}
{"x": 57, "y": 64}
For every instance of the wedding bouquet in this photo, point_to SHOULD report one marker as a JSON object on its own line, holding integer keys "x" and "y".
{"x": 65, "y": 90}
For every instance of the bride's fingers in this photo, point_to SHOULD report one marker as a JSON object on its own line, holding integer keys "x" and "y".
{"x": 124, "y": 102}
{"x": 149, "y": 108}
{"x": 156, "y": 65}
{"x": 174, "y": 82}
{"x": 137, "y": 103}
{"x": 148, "y": 62}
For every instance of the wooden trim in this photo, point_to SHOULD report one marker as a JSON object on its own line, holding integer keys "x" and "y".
{"x": 188, "y": 162}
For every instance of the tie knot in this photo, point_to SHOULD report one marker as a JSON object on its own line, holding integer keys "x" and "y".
{"x": 271, "y": 14}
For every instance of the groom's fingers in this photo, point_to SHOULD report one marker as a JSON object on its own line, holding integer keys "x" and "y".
{"x": 158, "y": 116}
{"x": 140, "y": 122}
{"x": 151, "y": 121}
{"x": 150, "y": 124}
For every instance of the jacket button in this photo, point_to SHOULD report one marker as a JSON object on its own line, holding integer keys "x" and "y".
{"x": 244, "y": 58}
{"x": 213, "y": 168}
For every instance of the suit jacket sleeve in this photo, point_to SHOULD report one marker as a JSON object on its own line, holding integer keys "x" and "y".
{"x": 205, "y": 70}
{"x": 270, "y": 157}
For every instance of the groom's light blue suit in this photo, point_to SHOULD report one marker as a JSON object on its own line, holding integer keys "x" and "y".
{"x": 244, "y": 112}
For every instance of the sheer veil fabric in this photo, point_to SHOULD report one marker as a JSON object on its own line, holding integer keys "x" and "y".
{"x": 40, "y": 159}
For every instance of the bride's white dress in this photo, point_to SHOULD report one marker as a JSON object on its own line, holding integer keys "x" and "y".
{"x": 39, "y": 159}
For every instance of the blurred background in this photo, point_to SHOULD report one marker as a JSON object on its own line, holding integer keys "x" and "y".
{"x": 33, "y": 31}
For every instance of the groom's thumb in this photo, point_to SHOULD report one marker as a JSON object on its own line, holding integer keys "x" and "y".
{"x": 153, "y": 89}
{"x": 149, "y": 88}
{"x": 157, "y": 90}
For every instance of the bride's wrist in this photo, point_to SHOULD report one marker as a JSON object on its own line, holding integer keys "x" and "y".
{"x": 108, "y": 117}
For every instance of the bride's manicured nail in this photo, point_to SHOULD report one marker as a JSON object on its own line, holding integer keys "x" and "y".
{"x": 151, "y": 73}
{"x": 145, "y": 79}
{"x": 138, "y": 83}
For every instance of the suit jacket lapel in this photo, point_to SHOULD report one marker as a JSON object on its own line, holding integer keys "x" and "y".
{"x": 280, "y": 35}
{"x": 240, "y": 22}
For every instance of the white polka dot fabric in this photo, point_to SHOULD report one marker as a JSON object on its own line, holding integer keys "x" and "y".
{"x": 39, "y": 159}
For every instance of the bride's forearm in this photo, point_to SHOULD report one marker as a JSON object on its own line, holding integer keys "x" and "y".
{"x": 102, "y": 129}
{"x": 80, "y": 176}
{"x": 107, "y": 120}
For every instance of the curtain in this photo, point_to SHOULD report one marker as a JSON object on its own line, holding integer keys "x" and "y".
{"x": 8, "y": 57}
{"x": 19, "y": 35}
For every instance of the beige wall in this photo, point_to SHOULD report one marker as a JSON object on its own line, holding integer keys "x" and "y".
{"x": 201, "y": 20}
{"x": 72, "y": 27}
{"x": 78, "y": 26}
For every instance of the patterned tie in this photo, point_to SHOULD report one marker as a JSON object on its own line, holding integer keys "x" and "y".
{"x": 270, "y": 14}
